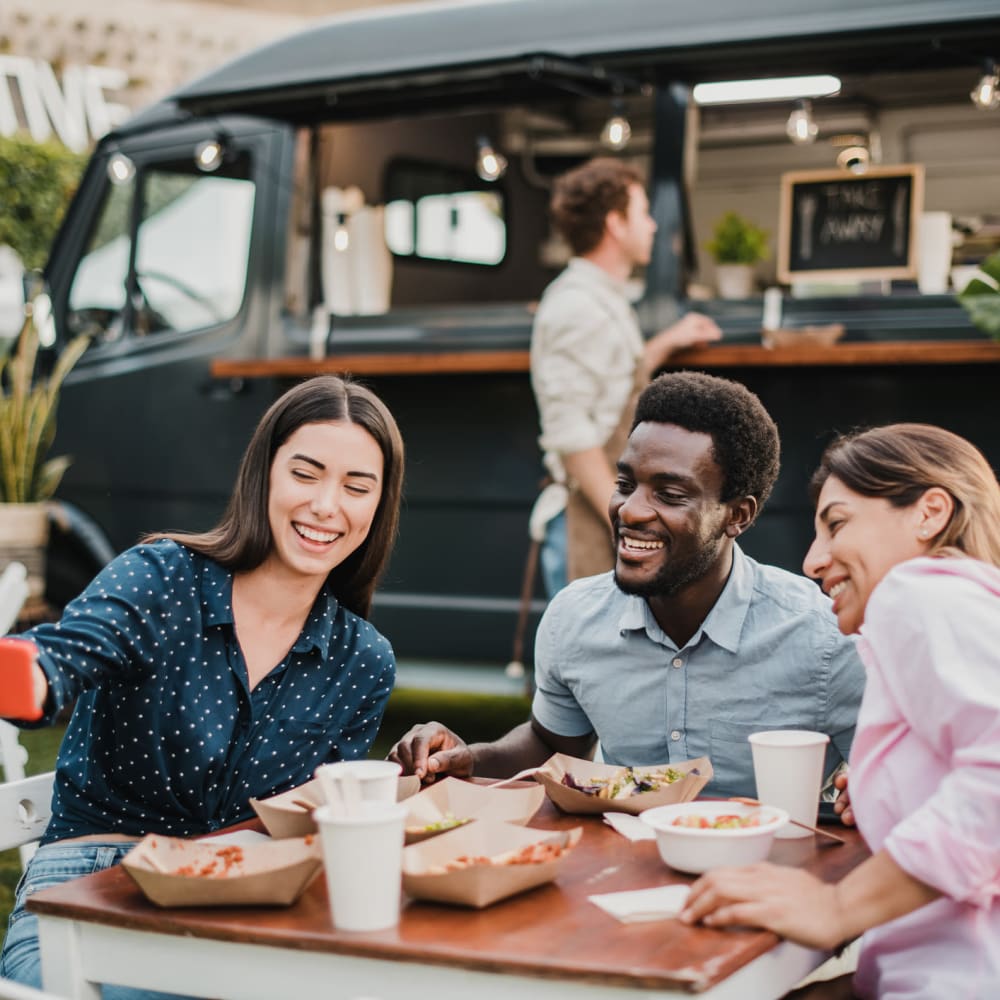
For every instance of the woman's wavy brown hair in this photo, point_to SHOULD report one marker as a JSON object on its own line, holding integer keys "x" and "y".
{"x": 899, "y": 462}
{"x": 242, "y": 540}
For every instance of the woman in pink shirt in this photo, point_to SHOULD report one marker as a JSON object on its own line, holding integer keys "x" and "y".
{"x": 908, "y": 547}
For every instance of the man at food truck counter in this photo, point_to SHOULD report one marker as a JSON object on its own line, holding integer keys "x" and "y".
{"x": 589, "y": 362}
{"x": 689, "y": 645}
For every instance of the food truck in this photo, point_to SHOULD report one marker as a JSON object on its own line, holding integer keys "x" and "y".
{"x": 370, "y": 195}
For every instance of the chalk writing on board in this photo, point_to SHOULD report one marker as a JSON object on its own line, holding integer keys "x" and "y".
{"x": 835, "y": 224}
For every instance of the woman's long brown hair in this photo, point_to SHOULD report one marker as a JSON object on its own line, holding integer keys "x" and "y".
{"x": 242, "y": 539}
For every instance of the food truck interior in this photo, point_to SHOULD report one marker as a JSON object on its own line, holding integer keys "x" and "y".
{"x": 363, "y": 217}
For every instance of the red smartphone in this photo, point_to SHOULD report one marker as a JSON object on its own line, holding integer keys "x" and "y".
{"x": 17, "y": 680}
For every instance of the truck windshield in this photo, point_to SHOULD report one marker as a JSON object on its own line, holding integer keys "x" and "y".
{"x": 192, "y": 241}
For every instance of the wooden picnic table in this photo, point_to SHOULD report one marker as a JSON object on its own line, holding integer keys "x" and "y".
{"x": 550, "y": 942}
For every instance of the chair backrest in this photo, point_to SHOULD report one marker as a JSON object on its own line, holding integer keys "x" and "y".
{"x": 25, "y": 809}
{"x": 13, "y": 593}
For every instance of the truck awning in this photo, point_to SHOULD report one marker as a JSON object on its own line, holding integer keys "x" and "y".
{"x": 438, "y": 55}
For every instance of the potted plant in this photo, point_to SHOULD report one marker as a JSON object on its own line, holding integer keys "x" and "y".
{"x": 981, "y": 297}
{"x": 28, "y": 477}
{"x": 737, "y": 244}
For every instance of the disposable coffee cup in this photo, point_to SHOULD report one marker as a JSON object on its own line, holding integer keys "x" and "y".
{"x": 347, "y": 781}
{"x": 788, "y": 767}
{"x": 363, "y": 858}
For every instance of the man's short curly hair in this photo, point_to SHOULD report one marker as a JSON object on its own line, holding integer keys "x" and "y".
{"x": 583, "y": 197}
{"x": 744, "y": 437}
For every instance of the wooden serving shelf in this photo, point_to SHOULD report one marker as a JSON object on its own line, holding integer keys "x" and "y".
{"x": 918, "y": 352}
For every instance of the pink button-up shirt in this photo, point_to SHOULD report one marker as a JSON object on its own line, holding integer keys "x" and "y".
{"x": 925, "y": 776}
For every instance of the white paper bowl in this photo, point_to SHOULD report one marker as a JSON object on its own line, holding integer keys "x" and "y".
{"x": 689, "y": 849}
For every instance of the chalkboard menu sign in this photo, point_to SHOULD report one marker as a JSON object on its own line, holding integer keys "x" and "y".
{"x": 835, "y": 224}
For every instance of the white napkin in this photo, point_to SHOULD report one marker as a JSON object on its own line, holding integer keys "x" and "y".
{"x": 662, "y": 903}
{"x": 629, "y": 826}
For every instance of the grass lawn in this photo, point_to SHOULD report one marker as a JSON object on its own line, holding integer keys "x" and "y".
{"x": 474, "y": 716}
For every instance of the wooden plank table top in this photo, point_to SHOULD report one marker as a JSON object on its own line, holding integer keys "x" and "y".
{"x": 552, "y": 931}
{"x": 914, "y": 352}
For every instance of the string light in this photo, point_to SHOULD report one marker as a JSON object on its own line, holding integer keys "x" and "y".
{"x": 341, "y": 235}
{"x": 120, "y": 168}
{"x": 208, "y": 155}
{"x": 986, "y": 95}
{"x": 490, "y": 165}
{"x": 617, "y": 130}
{"x": 800, "y": 127}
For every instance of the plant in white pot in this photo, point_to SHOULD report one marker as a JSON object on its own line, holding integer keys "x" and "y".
{"x": 28, "y": 476}
{"x": 737, "y": 244}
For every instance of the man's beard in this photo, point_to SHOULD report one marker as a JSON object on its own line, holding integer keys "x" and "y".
{"x": 674, "y": 575}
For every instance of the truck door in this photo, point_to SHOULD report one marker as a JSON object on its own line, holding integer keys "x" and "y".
{"x": 167, "y": 264}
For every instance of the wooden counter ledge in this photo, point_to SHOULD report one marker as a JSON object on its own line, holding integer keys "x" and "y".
{"x": 914, "y": 352}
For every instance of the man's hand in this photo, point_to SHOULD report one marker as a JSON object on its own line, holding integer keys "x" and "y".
{"x": 842, "y": 807}
{"x": 691, "y": 330}
{"x": 430, "y": 750}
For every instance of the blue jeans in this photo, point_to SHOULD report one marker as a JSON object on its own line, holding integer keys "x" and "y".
{"x": 52, "y": 865}
{"x": 553, "y": 555}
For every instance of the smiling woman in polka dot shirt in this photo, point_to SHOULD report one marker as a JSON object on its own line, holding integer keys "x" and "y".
{"x": 209, "y": 668}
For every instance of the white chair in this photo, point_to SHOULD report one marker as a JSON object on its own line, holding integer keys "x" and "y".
{"x": 15, "y": 991}
{"x": 25, "y": 809}
{"x": 13, "y": 756}
{"x": 13, "y": 593}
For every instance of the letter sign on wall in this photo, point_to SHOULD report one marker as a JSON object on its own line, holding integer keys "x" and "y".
{"x": 77, "y": 112}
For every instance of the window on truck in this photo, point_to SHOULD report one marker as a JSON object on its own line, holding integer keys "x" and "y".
{"x": 438, "y": 213}
{"x": 191, "y": 248}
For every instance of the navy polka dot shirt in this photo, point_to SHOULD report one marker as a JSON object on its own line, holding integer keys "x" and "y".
{"x": 166, "y": 736}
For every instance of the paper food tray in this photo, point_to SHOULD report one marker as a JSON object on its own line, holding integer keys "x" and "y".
{"x": 480, "y": 885}
{"x": 465, "y": 801}
{"x": 175, "y": 872}
{"x": 698, "y": 773}
{"x": 289, "y": 814}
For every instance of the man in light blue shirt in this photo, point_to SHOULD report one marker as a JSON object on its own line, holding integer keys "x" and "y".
{"x": 689, "y": 645}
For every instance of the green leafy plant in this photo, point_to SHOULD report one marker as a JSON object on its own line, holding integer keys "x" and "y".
{"x": 28, "y": 419}
{"x": 37, "y": 180}
{"x": 736, "y": 240}
{"x": 981, "y": 299}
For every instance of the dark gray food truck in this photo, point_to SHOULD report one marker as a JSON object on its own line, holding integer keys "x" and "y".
{"x": 326, "y": 203}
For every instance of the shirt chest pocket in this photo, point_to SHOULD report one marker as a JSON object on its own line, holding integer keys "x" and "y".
{"x": 732, "y": 759}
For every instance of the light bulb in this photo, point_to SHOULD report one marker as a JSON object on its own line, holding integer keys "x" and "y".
{"x": 341, "y": 236}
{"x": 120, "y": 169}
{"x": 800, "y": 127}
{"x": 616, "y": 132}
{"x": 208, "y": 155}
{"x": 490, "y": 165}
{"x": 986, "y": 95}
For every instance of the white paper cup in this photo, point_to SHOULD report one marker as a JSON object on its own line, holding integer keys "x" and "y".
{"x": 933, "y": 252}
{"x": 788, "y": 766}
{"x": 367, "y": 780}
{"x": 363, "y": 858}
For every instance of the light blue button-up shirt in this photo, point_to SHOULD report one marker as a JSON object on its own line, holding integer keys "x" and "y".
{"x": 768, "y": 656}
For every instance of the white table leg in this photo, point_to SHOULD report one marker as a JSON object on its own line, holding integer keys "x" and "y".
{"x": 62, "y": 960}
